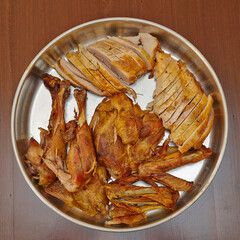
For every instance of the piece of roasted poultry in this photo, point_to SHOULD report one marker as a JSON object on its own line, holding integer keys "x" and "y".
{"x": 124, "y": 135}
{"x": 129, "y": 203}
{"x": 75, "y": 169}
{"x": 181, "y": 103}
{"x": 91, "y": 199}
{"x": 81, "y": 158}
{"x": 36, "y": 165}
{"x": 55, "y": 152}
{"x": 52, "y": 144}
{"x": 106, "y": 67}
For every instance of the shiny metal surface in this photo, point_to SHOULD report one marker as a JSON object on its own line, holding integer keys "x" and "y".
{"x": 32, "y": 105}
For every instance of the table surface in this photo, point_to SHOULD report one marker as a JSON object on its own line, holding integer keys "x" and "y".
{"x": 212, "y": 26}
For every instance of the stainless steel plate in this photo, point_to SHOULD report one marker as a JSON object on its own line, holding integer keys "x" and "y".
{"x": 32, "y": 106}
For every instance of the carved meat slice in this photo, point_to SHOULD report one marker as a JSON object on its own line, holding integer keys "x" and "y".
{"x": 173, "y": 85}
{"x": 189, "y": 120}
{"x": 120, "y": 50}
{"x": 172, "y": 66}
{"x": 132, "y": 44}
{"x": 200, "y": 141}
{"x": 195, "y": 124}
{"x": 73, "y": 58}
{"x": 124, "y": 65}
{"x": 150, "y": 44}
{"x": 106, "y": 72}
{"x": 186, "y": 111}
{"x": 195, "y": 136}
{"x": 75, "y": 79}
{"x": 183, "y": 109}
{"x": 163, "y": 60}
{"x": 179, "y": 140}
{"x": 133, "y": 39}
{"x": 170, "y": 80}
{"x": 171, "y": 95}
{"x": 184, "y": 97}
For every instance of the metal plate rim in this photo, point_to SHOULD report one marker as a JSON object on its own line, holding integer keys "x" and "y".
{"x": 15, "y": 101}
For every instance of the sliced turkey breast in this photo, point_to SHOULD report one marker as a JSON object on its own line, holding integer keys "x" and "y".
{"x": 137, "y": 49}
{"x": 163, "y": 60}
{"x": 179, "y": 139}
{"x": 73, "y": 58}
{"x": 179, "y": 68}
{"x": 187, "y": 94}
{"x": 197, "y": 133}
{"x": 76, "y": 80}
{"x": 93, "y": 70}
{"x": 171, "y": 83}
{"x": 186, "y": 112}
{"x": 150, "y": 44}
{"x": 125, "y": 50}
{"x": 71, "y": 68}
{"x": 172, "y": 94}
{"x": 125, "y": 67}
{"x": 182, "y": 112}
{"x": 197, "y": 122}
{"x": 107, "y": 73}
{"x": 133, "y": 39}
{"x": 189, "y": 119}
{"x": 207, "y": 130}
{"x": 172, "y": 66}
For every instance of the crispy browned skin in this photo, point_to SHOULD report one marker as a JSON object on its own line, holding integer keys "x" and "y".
{"x": 162, "y": 195}
{"x": 91, "y": 199}
{"x": 173, "y": 160}
{"x": 52, "y": 144}
{"x": 172, "y": 182}
{"x": 124, "y": 135}
{"x": 55, "y": 147}
{"x": 37, "y": 166}
{"x": 109, "y": 147}
{"x": 81, "y": 159}
{"x": 149, "y": 136}
{"x": 70, "y": 134}
{"x": 59, "y": 91}
{"x": 128, "y": 122}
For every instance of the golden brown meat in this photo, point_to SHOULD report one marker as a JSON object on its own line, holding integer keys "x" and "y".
{"x": 149, "y": 137}
{"x": 91, "y": 199}
{"x": 81, "y": 158}
{"x": 161, "y": 195}
{"x": 55, "y": 147}
{"x": 128, "y": 122}
{"x": 37, "y": 166}
{"x": 109, "y": 147}
{"x": 124, "y": 135}
{"x": 173, "y": 182}
{"x": 176, "y": 159}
